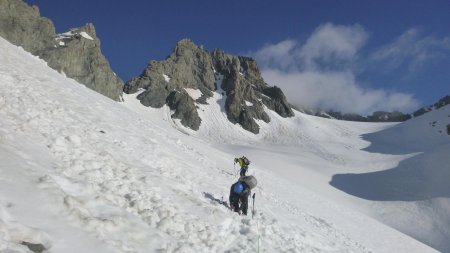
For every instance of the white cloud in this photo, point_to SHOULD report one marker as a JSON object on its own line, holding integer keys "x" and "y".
{"x": 277, "y": 55}
{"x": 411, "y": 50}
{"x": 332, "y": 42}
{"x": 317, "y": 73}
{"x": 338, "y": 91}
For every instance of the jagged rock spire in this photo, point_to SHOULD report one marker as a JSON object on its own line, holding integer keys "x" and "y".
{"x": 190, "y": 66}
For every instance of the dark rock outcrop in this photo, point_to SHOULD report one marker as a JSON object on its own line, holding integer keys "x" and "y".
{"x": 341, "y": 116}
{"x": 448, "y": 129}
{"x": 442, "y": 102}
{"x": 34, "y": 247}
{"x": 395, "y": 116}
{"x": 277, "y": 101}
{"x": 244, "y": 87}
{"x": 76, "y": 53}
{"x": 190, "y": 66}
{"x": 23, "y": 25}
{"x": 184, "y": 108}
{"x": 379, "y": 116}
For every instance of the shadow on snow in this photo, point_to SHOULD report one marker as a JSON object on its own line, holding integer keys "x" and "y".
{"x": 421, "y": 177}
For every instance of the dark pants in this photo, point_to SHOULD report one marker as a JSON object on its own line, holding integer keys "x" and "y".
{"x": 243, "y": 171}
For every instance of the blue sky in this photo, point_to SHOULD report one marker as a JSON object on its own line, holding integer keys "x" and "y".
{"x": 353, "y": 56}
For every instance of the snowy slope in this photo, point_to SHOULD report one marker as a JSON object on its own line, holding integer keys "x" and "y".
{"x": 414, "y": 196}
{"x": 82, "y": 173}
{"x": 405, "y": 170}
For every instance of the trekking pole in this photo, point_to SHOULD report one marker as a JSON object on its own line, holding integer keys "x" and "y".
{"x": 253, "y": 209}
{"x": 257, "y": 223}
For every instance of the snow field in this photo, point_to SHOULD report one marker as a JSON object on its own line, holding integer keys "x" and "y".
{"x": 99, "y": 191}
{"x": 82, "y": 173}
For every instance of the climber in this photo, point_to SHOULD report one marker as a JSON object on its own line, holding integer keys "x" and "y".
{"x": 244, "y": 163}
{"x": 239, "y": 193}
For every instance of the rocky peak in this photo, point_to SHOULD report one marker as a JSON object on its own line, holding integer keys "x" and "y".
{"x": 90, "y": 29}
{"x": 186, "y": 47}
{"x": 84, "y": 34}
{"x": 22, "y": 25}
{"x": 75, "y": 53}
{"x": 190, "y": 66}
{"x": 250, "y": 68}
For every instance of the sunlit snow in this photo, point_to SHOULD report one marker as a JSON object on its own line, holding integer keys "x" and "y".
{"x": 86, "y": 36}
{"x": 166, "y": 78}
{"x": 70, "y": 34}
{"x": 193, "y": 93}
{"x": 82, "y": 173}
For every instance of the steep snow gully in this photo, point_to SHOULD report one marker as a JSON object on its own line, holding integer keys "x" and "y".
{"x": 82, "y": 173}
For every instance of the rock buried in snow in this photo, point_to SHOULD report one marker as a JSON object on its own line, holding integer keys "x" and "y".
{"x": 35, "y": 247}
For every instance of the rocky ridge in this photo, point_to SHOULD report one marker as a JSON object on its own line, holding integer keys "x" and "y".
{"x": 76, "y": 53}
{"x": 191, "y": 67}
{"x": 379, "y": 116}
{"x": 442, "y": 102}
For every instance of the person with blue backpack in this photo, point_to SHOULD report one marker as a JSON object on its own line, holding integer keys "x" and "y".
{"x": 239, "y": 193}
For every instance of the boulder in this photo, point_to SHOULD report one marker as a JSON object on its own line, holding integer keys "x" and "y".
{"x": 34, "y": 247}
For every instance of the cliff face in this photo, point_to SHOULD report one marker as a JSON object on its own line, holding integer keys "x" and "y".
{"x": 190, "y": 66}
{"x": 76, "y": 53}
{"x": 23, "y": 25}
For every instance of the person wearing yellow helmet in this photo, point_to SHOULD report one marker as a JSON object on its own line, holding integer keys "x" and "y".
{"x": 244, "y": 163}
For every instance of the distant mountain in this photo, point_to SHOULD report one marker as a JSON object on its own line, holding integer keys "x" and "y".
{"x": 75, "y": 53}
{"x": 190, "y": 68}
{"x": 379, "y": 116}
{"x": 442, "y": 102}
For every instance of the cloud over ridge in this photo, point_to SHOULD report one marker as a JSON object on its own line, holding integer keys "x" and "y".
{"x": 319, "y": 73}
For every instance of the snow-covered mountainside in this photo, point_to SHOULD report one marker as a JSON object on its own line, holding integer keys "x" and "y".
{"x": 192, "y": 67}
{"x": 82, "y": 173}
